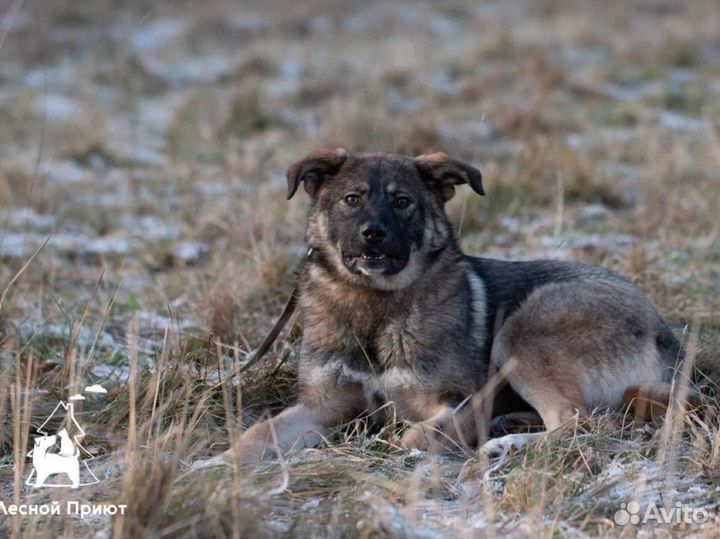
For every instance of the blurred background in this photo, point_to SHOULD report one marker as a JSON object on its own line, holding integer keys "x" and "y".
{"x": 143, "y": 146}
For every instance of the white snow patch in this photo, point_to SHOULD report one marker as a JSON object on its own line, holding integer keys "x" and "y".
{"x": 157, "y": 34}
{"x": 57, "y": 108}
{"x": 680, "y": 122}
{"x": 204, "y": 69}
{"x": 150, "y": 227}
{"x": 28, "y": 217}
{"x": 190, "y": 251}
{"x": 108, "y": 245}
{"x": 63, "y": 171}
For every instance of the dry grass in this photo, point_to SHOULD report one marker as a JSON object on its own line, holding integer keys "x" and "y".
{"x": 148, "y": 142}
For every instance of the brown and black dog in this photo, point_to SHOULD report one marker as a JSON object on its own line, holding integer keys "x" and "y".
{"x": 393, "y": 311}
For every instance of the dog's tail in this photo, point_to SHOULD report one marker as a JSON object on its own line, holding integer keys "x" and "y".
{"x": 648, "y": 402}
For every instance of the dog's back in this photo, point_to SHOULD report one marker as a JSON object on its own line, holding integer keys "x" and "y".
{"x": 508, "y": 284}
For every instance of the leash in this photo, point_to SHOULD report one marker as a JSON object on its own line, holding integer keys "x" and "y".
{"x": 274, "y": 332}
{"x": 278, "y": 327}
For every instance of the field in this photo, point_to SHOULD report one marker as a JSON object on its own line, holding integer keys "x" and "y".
{"x": 146, "y": 245}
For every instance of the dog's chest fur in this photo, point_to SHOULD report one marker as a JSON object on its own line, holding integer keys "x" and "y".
{"x": 397, "y": 343}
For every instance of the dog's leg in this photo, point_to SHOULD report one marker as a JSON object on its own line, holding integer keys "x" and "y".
{"x": 450, "y": 428}
{"x": 300, "y": 425}
{"x": 538, "y": 377}
{"x": 649, "y": 402}
{"x": 579, "y": 346}
{"x": 514, "y": 421}
{"x": 555, "y": 409}
{"x": 555, "y": 415}
{"x": 429, "y": 435}
{"x": 557, "y": 404}
{"x": 324, "y": 404}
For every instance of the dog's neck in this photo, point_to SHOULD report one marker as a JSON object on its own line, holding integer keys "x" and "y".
{"x": 320, "y": 283}
{"x": 363, "y": 324}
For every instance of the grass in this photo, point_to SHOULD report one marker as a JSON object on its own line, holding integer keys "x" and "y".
{"x": 148, "y": 142}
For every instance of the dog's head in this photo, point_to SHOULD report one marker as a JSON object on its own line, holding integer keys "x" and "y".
{"x": 379, "y": 218}
{"x": 45, "y": 441}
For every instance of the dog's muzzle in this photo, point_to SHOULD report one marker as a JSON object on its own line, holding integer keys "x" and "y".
{"x": 373, "y": 262}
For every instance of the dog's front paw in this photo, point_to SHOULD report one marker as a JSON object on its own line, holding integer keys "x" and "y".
{"x": 416, "y": 437}
{"x": 213, "y": 462}
{"x": 240, "y": 454}
{"x": 432, "y": 438}
{"x": 248, "y": 450}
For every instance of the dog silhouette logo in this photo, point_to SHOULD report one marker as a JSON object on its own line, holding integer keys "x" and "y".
{"x": 49, "y": 460}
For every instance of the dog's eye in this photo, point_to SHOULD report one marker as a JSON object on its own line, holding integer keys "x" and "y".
{"x": 402, "y": 202}
{"x": 352, "y": 199}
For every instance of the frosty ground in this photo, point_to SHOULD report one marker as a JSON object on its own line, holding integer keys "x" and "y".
{"x": 146, "y": 244}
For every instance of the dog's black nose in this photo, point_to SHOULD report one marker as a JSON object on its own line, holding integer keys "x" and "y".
{"x": 374, "y": 232}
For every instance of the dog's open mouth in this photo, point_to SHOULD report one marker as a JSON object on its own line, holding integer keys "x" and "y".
{"x": 373, "y": 262}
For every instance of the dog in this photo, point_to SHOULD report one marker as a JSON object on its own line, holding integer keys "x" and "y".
{"x": 394, "y": 312}
{"x": 46, "y": 464}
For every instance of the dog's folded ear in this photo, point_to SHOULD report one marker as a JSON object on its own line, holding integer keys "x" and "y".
{"x": 444, "y": 173}
{"x": 316, "y": 167}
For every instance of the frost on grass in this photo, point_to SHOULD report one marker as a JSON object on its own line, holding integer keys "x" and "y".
{"x": 148, "y": 148}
